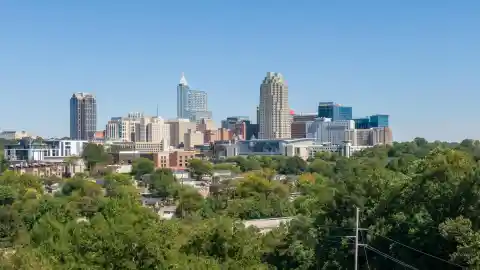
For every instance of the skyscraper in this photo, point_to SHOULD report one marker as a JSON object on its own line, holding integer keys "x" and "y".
{"x": 191, "y": 104}
{"x": 334, "y": 111}
{"x": 182, "y": 98}
{"x": 83, "y": 116}
{"x": 374, "y": 121}
{"x": 274, "y": 112}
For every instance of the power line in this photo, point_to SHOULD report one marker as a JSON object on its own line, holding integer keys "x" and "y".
{"x": 357, "y": 220}
{"x": 419, "y": 251}
{"x": 365, "y": 250}
{"x": 390, "y": 257}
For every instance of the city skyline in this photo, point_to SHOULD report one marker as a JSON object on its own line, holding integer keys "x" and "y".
{"x": 384, "y": 64}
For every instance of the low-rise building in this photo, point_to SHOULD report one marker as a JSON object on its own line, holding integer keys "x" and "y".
{"x": 162, "y": 159}
{"x": 141, "y": 147}
{"x": 179, "y": 158}
{"x": 12, "y": 135}
{"x": 303, "y": 148}
{"x": 48, "y": 169}
{"x": 50, "y": 150}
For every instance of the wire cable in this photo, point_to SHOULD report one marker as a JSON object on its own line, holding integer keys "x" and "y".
{"x": 391, "y": 258}
{"x": 419, "y": 251}
{"x": 365, "y": 249}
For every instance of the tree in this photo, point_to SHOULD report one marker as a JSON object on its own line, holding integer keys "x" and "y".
{"x": 3, "y": 163}
{"x": 94, "y": 154}
{"x": 162, "y": 184}
{"x": 142, "y": 166}
{"x": 292, "y": 165}
{"x": 419, "y": 203}
{"x": 71, "y": 162}
{"x": 199, "y": 168}
{"x": 190, "y": 201}
{"x": 7, "y": 195}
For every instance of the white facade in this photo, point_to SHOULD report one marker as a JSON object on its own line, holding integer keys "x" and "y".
{"x": 274, "y": 112}
{"x": 48, "y": 151}
{"x": 303, "y": 148}
{"x": 324, "y": 130}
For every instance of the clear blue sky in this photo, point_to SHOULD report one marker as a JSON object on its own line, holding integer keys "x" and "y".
{"x": 418, "y": 61}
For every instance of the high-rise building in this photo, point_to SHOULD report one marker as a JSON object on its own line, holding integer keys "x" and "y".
{"x": 192, "y": 138}
{"x": 370, "y": 137}
{"x": 182, "y": 98}
{"x": 325, "y": 130}
{"x": 274, "y": 112}
{"x": 178, "y": 128}
{"x": 138, "y": 128}
{"x": 83, "y": 116}
{"x": 334, "y": 111}
{"x": 374, "y": 121}
{"x": 379, "y": 120}
{"x": 362, "y": 123}
{"x": 206, "y": 124}
{"x": 301, "y": 123}
{"x": 191, "y": 104}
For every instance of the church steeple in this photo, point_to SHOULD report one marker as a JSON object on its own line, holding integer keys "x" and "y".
{"x": 183, "y": 81}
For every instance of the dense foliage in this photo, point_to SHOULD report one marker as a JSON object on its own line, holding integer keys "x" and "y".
{"x": 418, "y": 201}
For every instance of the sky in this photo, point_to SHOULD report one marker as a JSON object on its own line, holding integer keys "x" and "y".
{"x": 417, "y": 61}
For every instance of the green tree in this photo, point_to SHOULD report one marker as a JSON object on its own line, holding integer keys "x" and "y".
{"x": 94, "y": 154}
{"x": 190, "y": 201}
{"x": 142, "y": 166}
{"x": 3, "y": 163}
{"x": 162, "y": 184}
{"x": 292, "y": 165}
{"x": 199, "y": 168}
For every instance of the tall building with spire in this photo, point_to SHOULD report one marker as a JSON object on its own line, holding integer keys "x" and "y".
{"x": 191, "y": 104}
{"x": 274, "y": 112}
{"x": 182, "y": 98}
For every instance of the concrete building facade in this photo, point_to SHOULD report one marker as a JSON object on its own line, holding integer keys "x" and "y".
{"x": 178, "y": 128}
{"x": 324, "y": 130}
{"x": 193, "y": 138}
{"x": 300, "y": 124}
{"x": 137, "y": 128}
{"x": 274, "y": 111}
{"x": 370, "y": 137}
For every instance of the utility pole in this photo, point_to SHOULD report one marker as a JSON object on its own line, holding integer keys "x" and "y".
{"x": 357, "y": 217}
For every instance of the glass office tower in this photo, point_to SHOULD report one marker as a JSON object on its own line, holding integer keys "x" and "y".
{"x": 334, "y": 111}
{"x": 379, "y": 120}
{"x": 191, "y": 103}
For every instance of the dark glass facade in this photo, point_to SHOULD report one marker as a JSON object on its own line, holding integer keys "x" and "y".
{"x": 374, "y": 121}
{"x": 83, "y": 116}
{"x": 182, "y": 101}
{"x": 379, "y": 120}
{"x": 252, "y": 130}
{"x": 334, "y": 111}
{"x": 362, "y": 123}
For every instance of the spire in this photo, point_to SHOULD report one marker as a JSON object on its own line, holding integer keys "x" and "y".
{"x": 183, "y": 81}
